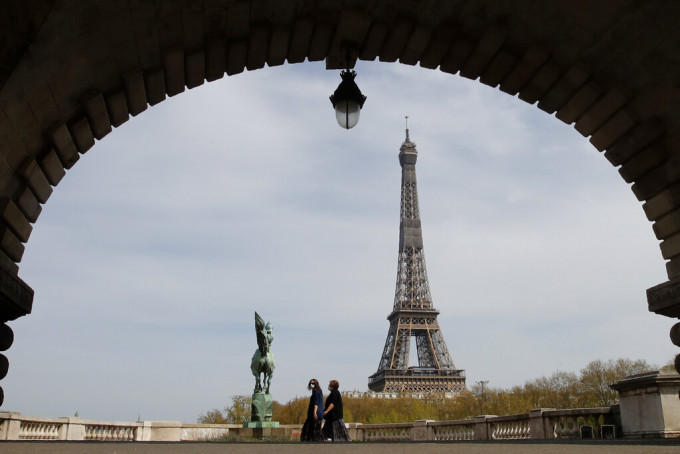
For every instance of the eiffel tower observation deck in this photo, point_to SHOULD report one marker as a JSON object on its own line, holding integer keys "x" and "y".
{"x": 413, "y": 314}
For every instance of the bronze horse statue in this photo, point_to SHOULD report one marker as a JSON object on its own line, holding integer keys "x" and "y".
{"x": 263, "y": 358}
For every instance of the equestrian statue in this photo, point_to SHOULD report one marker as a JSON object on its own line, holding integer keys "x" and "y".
{"x": 263, "y": 358}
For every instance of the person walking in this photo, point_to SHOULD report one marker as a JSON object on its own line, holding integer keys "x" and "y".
{"x": 334, "y": 428}
{"x": 311, "y": 429}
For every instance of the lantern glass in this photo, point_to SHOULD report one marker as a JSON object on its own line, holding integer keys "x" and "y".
{"x": 347, "y": 113}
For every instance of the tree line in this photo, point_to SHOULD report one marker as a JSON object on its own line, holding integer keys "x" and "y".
{"x": 589, "y": 388}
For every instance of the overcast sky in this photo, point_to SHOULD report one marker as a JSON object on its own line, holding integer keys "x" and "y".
{"x": 244, "y": 194}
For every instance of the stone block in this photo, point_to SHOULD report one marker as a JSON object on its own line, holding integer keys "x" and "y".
{"x": 299, "y": 40}
{"x": 64, "y": 145}
{"x": 75, "y": 429}
{"x": 670, "y": 246}
{"x": 16, "y": 298}
{"x": 564, "y": 88}
{"x": 482, "y": 431}
{"x": 540, "y": 83}
{"x": 10, "y": 244}
{"x": 9, "y": 266}
{"x": 195, "y": 69}
{"x": 663, "y": 202}
{"x": 524, "y": 70}
{"x": 29, "y": 205}
{"x": 11, "y": 425}
{"x": 154, "y": 82}
{"x": 667, "y": 225}
{"x": 82, "y": 134}
{"x": 540, "y": 428}
{"x": 215, "y": 58}
{"x": 237, "y": 52}
{"x": 416, "y": 45}
{"x": 15, "y": 219}
{"x": 374, "y": 41}
{"x": 258, "y": 48}
{"x": 658, "y": 179}
{"x": 396, "y": 40}
{"x": 421, "y": 431}
{"x": 52, "y": 167}
{"x": 613, "y": 129}
{"x": 633, "y": 141}
{"x": 673, "y": 268}
{"x": 95, "y": 109}
{"x": 642, "y": 163}
{"x": 117, "y": 107}
{"x": 649, "y": 404}
{"x": 664, "y": 299}
{"x": 173, "y": 68}
{"x": 487, "y": 47}
{"x": 164, "y": 430}
{"x": 321, "y": 40}
{"x": 456, "y": 56}
{"x": 438, "y": 46}
{"x": 579, "y": 102}
{"x": 498, "y": 68}
{"x": 261, "y": 433}
{"x": 599, "y": 112}
{"x": 34, "y": 177}
{"x": 135, "y": 91}
{"x": 278, "y": 46}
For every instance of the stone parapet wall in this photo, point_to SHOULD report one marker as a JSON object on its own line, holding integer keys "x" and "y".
{"x": 539, "y": 424}
{"x": 15, "y": 426}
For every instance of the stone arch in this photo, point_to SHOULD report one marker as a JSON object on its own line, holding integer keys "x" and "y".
{"x": 74, "y": 71}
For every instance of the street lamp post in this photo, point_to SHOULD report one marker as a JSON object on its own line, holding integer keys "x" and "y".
{"x": 347, "y": 99}
{"x": 482, "y": 383}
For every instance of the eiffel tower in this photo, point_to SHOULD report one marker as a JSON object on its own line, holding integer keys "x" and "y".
{"x": 413, "y": 314}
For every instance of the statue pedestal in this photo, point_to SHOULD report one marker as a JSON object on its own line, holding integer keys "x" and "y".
{"x": 261, "y": 424}
{"x": 261, "y": 408}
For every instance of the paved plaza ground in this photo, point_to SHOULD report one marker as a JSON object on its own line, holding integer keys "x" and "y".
{"x": 599, "y": 447}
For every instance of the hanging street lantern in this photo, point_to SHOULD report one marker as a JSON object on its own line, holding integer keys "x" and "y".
{"x": 347, "y": 100}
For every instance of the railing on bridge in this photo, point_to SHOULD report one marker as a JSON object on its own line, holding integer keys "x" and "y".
{"x": 541, "y": 424}
{"x": 15, "y": 426}
{"x": 649, "y": 408}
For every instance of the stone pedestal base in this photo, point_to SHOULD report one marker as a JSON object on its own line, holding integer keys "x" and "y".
{"x": 260, "y": 430}
{"x": 261, "y": 408}
{"x": 649, "y": 405}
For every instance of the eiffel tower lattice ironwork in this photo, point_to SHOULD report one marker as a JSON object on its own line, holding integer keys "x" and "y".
{"x": 413, "y": 314}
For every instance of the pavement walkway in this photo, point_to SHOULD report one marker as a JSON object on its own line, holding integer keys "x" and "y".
{"x": 524, "y": 447}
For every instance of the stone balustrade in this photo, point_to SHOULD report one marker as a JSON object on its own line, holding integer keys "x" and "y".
{"x": 649, "y": 408}
{"x": 15, "y": 426}
{"x": 540, "y": 424}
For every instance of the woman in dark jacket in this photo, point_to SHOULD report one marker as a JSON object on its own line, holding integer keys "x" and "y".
{"x": 311, "y": 430}
{"x": 334, "y": 428}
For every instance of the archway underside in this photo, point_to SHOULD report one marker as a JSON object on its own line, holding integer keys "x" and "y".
{"x": 72, "y": 71}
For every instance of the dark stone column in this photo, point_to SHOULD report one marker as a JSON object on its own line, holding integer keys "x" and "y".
{"x": 16, "y": 300}
{"x": 16, "y": 297}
